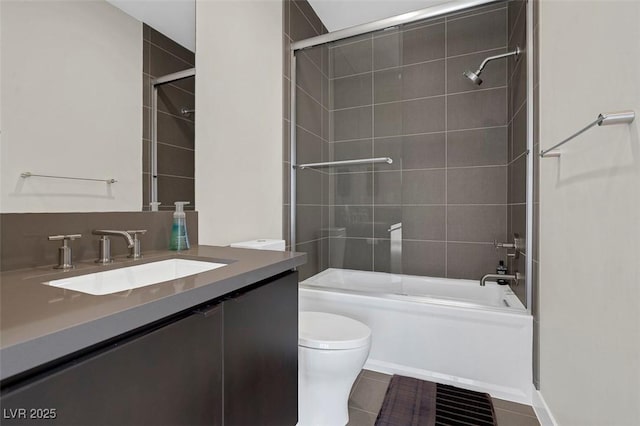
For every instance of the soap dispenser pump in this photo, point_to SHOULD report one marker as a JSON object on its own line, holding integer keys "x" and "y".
{"x": 179, "y": 236}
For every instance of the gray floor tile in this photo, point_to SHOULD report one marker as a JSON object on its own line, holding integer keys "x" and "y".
{"x": 368, "y": 395}
{"x": 355, "y": 385}
{"x": 513, "y": 406}
{"x": 509, "y": 418}
{"x": 376, "y": 376}
{"x": 360, "y": 418}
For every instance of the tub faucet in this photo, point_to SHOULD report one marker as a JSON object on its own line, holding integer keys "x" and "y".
{"x": 515, "y": 278}
{"x": 104, "y": 256}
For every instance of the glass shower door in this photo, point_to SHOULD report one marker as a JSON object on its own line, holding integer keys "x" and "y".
{"x": 400, "y": 93}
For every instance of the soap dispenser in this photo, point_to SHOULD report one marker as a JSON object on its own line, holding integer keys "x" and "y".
{"x": 501, "y": 270}
{"x": 179, "y": 236}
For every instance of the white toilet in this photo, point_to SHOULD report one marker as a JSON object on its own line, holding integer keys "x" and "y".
{"x": 332, "y": 350}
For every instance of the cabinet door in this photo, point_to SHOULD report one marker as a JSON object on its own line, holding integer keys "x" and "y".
{"x": 261, "y": 355}
{"x": 170, "y": 376}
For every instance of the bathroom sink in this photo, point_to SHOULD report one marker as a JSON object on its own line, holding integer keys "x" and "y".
{"x": 131, "y": 277}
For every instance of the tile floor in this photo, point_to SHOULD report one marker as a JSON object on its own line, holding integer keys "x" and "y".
{"x": 370, "y": 387}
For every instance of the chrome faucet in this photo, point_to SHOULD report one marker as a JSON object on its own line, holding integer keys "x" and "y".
{"x": 515, "y": 278}
{"x": 104, "y": 247}
{"x": 134, "y": 252}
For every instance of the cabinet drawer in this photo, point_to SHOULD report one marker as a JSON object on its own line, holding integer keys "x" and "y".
{"x": 170, "y": 376}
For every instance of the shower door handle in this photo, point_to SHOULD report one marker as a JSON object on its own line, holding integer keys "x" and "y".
{"x": 395, "y": 247}
{"x": 394, "y": 227}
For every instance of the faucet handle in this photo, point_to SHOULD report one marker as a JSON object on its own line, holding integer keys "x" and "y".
{"x": 135, "y": 252}
{"x": 69, "y": 237}
{"x": 64, "y": 251}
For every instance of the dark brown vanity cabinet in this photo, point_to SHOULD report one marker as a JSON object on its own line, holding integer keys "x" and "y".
{"x": 231, "y": 362}
{"x": 158, "y": 378}
{"x": 261, "y": 355}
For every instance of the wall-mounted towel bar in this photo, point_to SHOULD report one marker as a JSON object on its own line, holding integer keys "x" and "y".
{"x": 29, "y": 174}
{"x": 345, "y": 163}
{"x": 604, "y": 119}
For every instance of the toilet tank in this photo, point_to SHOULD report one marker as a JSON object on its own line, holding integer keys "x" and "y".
{"x": 261, "y": 244}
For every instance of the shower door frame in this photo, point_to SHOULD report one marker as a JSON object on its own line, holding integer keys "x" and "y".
{"x": 155, "y": 84}
{"x": 406, "y": 18}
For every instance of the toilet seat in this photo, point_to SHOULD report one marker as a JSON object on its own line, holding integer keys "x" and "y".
{"x": 321, "y": 330}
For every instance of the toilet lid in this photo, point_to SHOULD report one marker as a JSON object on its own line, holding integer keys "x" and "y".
{"x": 321, "y": 330}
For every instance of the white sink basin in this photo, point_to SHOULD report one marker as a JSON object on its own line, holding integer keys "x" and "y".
{"x": 122, "y": 279}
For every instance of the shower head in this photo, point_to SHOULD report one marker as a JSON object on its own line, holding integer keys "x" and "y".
{"x": 473, "y": 76}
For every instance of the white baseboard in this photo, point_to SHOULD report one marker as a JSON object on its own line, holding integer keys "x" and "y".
{"x": 542, "y": 409}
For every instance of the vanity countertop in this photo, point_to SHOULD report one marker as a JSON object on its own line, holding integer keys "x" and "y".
{"x": 40, "y": 323}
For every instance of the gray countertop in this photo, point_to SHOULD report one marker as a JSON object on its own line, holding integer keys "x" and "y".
{"x": 40, "y": 323}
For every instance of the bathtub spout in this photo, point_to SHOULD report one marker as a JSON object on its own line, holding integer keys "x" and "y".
{"x": 515, "y": 278}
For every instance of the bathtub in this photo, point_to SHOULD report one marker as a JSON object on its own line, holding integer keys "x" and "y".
{"x": 439, "y": 329}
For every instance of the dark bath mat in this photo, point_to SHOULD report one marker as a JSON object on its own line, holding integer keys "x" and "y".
{"x": 413, "y": 402}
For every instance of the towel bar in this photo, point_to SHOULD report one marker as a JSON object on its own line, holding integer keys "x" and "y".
{"x": 604, "y": 119}
{"x": 29, "y": 174}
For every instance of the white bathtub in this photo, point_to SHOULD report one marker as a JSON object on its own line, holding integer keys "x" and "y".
{"x": 444, "y": 330}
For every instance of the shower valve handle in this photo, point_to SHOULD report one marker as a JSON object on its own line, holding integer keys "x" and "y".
{"x": 503, "y": 245}
{"x": 517, "y": 245}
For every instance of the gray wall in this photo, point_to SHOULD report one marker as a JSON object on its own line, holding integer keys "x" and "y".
{"x": 176, "y": 154}
{"x": 400, "y": 93}
{"x": 24, "y": 244}
{"x": 589, "y": 295}
{"x": 71, "y": 92}
{"x": 239, "y": 136}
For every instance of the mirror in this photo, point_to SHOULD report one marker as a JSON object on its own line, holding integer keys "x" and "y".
{"x": 76, "y": 101}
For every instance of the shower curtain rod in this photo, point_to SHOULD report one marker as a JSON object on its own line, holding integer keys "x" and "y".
{"x": 405, "y": 18}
